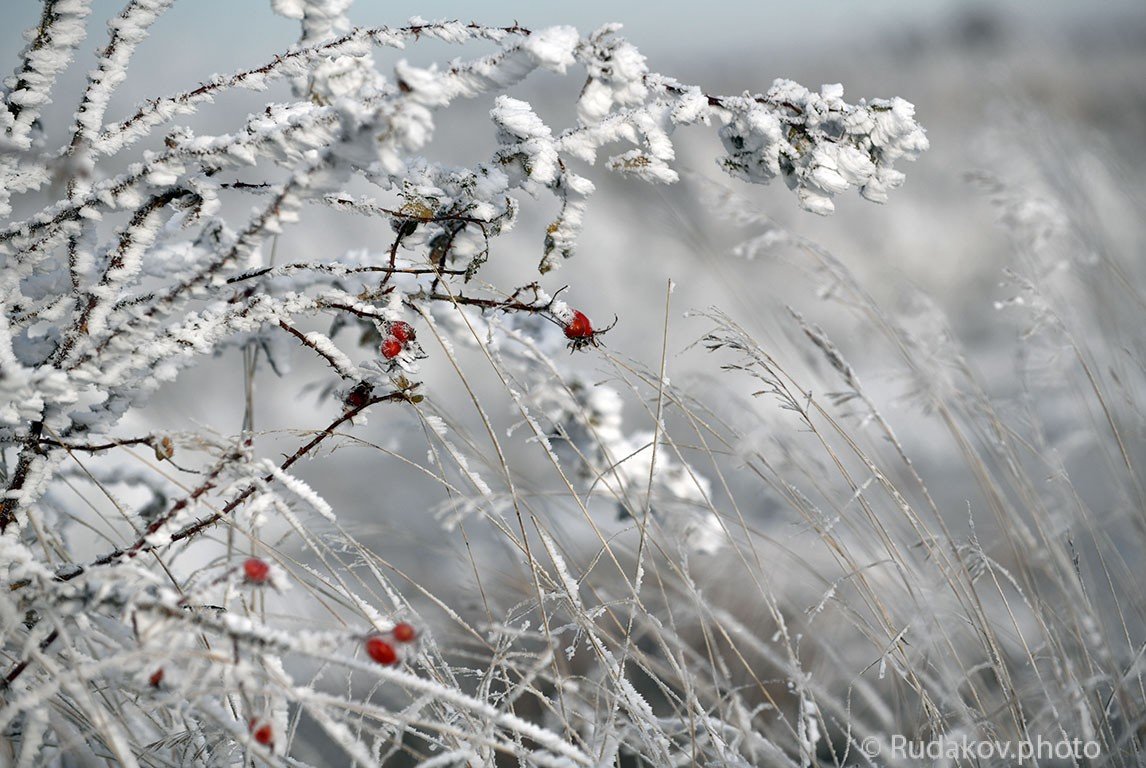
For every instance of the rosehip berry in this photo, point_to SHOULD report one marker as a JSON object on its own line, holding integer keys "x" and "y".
{"x": 359, "y": 396}
{"x": 579, "y": 327}
{"x": 381, "y": 651}
{"x": 402, "y": 331}
{"x": 391, "y": 348}
{"x": 404, "y": 632}
{"x": 263, "y": 732}
{"x": 156, "y": 678}
{"x": 581, "y": 332}
{"x": 257, "y": 571}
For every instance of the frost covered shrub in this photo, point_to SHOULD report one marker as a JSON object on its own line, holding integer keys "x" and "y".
{"x": 211, "y": 605}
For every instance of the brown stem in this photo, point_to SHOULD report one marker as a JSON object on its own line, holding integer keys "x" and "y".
{"x": 94, "y": 447}
{"x": 504, "y": 306}
{"x": 30, "y": 448}
{"x": 141, "y": 546}
{"x": 19, "y": 668}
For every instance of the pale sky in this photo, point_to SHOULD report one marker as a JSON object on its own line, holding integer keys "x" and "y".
{"x": 232, "y": 27}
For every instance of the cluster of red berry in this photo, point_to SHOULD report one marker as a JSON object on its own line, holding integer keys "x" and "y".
{"x": 255, "y": 571}
{"x": 258, "y": 571}
{"x": 383, "y": 648}
{"x": 578, "y": 329}
{"x": 399, "y": 335}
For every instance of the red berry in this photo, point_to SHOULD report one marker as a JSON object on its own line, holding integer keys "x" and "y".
{"x": 402, "y": 331}
{"x": 404, "y": 632}
{"x": 256, "y": 570}
{"x": 359, "y": 396}
{"x": 381, "y": 651}
{"x": 579, "y": 327}
{"x": 156, "y": 678}
{"x": 263, "y": 732}
{"x": 391, "y": 348}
